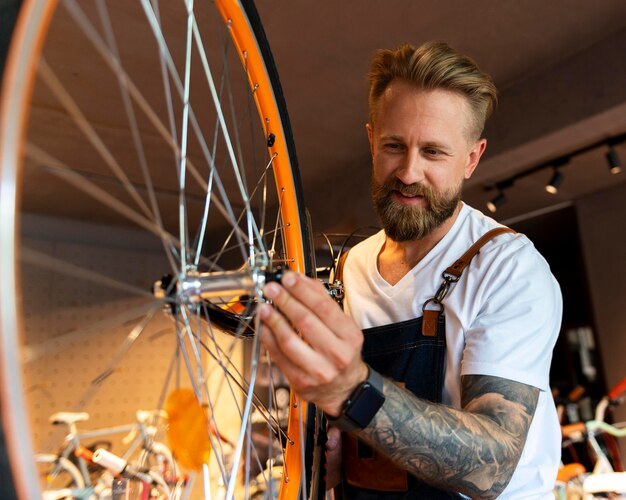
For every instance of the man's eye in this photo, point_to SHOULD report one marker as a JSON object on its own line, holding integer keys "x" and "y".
{"x": 432, "y": 152}
{"x": 393, "y": 146}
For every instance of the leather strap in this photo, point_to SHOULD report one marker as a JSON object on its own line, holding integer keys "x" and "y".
{"x": 459, "y": 266}
{"x": 451, "y": 275}
{"x": 455, "y": 269}
{"x": 339, "y": 268}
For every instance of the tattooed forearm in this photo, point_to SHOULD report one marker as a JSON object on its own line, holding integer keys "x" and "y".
{"x": 473, "y": 451}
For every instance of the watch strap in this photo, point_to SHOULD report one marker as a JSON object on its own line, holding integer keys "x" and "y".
{"x": 363, "y": 404}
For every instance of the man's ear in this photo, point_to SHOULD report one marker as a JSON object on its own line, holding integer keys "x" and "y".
{"x": 474, "y": 157}
{"x": 370, "y": 136}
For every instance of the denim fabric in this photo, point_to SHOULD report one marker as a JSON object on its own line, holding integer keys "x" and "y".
{"x": 400, "y": 352}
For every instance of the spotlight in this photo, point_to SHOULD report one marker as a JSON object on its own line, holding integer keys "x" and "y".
{"x": 615, "y": 165}
{"x": 553, "y": 186}
{"x": 497, "y": 202}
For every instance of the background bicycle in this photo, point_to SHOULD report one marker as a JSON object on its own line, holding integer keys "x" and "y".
{"x": 595, "y": 468}
{"x": 136, "y": 444}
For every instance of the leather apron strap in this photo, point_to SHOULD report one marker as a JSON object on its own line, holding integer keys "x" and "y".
{"x": 433, "y": 307}
{"x": 459, "y": 266}
{"x": 455, "y": 269}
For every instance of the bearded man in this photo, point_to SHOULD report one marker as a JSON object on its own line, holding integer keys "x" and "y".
{"x": 437, "y": 371}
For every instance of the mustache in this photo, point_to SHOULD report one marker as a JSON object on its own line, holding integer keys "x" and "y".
{"x": 415, "y": 189}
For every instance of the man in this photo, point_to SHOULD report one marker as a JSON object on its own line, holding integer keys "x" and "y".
{"x": 463, "y": 406}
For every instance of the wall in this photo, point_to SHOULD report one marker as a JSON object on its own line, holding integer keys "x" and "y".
{"x": 601, "y": 221}
{"x": 86, "y": 296}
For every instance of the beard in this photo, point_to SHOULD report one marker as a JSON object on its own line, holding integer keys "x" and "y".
{"x": 405, "y": 222}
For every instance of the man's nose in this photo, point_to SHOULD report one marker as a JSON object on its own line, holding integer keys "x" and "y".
{"x": 412, "y": 169}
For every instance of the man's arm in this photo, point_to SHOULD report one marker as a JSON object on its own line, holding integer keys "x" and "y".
{"x": 473, "y": 451}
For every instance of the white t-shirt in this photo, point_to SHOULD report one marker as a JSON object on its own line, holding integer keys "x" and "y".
{"x": 502, "y": 319}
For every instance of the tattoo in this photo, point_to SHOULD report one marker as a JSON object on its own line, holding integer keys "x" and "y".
{"x": 472, "y": 451}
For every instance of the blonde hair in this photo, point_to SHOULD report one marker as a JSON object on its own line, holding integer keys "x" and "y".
{"x": 434, "y": 65}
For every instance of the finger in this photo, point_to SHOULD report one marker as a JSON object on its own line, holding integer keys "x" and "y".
{"x": 313, "y": 296}
{"x": 322, "y": 338}
{"x": 301, "y": 364}
{"x": 288, "y": 368}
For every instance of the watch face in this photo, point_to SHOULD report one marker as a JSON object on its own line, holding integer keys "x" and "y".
{"x": 365, "y": 404}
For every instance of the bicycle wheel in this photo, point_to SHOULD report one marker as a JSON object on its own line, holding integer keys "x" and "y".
{"x": 57, "y": 473}
{"x": 160, "y": 461}
{"x": 148, "y": 187}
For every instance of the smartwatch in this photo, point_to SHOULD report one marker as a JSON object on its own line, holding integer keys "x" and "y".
{"x": 360, "y": 408}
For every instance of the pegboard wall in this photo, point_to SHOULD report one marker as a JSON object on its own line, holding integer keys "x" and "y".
{"x": 85, "y": 288}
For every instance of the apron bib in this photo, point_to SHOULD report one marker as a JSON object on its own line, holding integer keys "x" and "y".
{"x": 404, "y": 354}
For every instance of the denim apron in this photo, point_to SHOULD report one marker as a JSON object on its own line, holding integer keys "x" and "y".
{"x": 413, "y": 354}
{"x": 400, "y": 352}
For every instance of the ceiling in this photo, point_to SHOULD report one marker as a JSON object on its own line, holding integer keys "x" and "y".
{"x": 559, "y": 66}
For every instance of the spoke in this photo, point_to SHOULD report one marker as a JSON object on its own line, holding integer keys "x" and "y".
{"x": 154, "y": 24}
{"x": 56, "y": 167}
{"x": 134, "y": 128}
{"x": 246, "y": 410}
{"x": 182, "y": 208}
{"x": 202, "y": 377}
{"x": 218, "y": 355}
{"x": 183, "y": 351}
{"x": 72, "y": 108}
{"x": 223, "y": 207}
{"x": 95, "y": 384}
{"x": 201, "y": 234}
{"x": 37, "y": 258}
{"x": 166, "y": 86}
{"x": 280, "y": 204}
{"x": 212, "y": 401}
{"x": 263, "y": 201}
{"x": 218, "y": 109}
{"x": 168, "y": 377}
{"x": 233, "y": 375}
{"x": 80, "y": 181}
{"x": 215, "y": 257}
{"x": 272, "y": 399}
{"x": 129, "y": 341}
{"x": 203, "y": 223}
{"x": 225, "y": 84}
{"x": 196, "y": 353}
{"x": 60, "y": 342}
{"x": 302, "y": 441}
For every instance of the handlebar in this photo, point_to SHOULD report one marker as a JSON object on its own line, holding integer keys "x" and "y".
{"x": 576, "y": 431}
{"x": 616, "y": 394}
{"x": 613, "y": 430}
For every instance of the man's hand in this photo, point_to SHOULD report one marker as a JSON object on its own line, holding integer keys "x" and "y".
{"x": 317, "y": 346}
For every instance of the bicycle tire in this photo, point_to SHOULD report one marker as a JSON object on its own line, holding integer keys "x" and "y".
{"x": 165, "y": 466}
{"x": 60, "y": 467}
{"x": 19, "y": 80}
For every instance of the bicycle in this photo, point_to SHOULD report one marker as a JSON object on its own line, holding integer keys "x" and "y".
{"x": 126, "y": 113}
{"x": 607, "y": 476}
{"x": 152, "y": 459}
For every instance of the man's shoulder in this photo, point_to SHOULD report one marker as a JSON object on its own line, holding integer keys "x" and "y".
{"x": 476, "y": 224}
